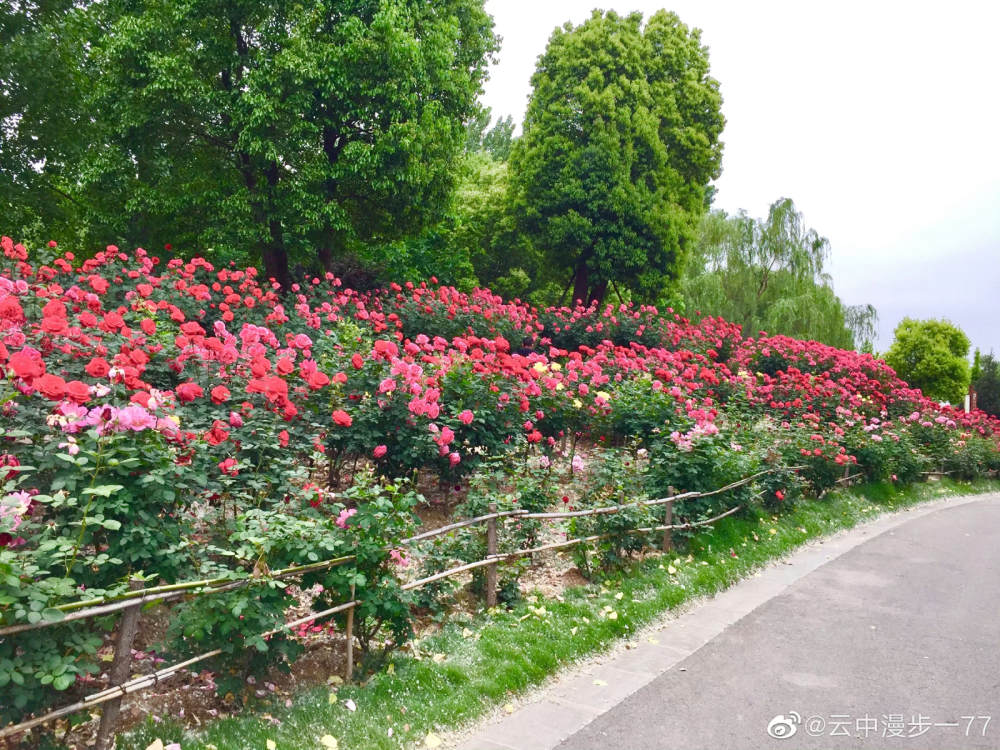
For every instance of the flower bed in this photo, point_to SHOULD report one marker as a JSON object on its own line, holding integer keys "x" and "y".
{"x": 179, "y": 421}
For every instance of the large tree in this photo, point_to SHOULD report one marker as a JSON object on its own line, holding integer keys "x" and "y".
{"x": 290, "y": 129}
{"x": 931, "y": 355}
{"x": 619, "y": 143}
{"x": 768, "y": 275}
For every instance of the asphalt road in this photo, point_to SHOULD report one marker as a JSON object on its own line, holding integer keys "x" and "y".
{"x": 888, "y": 646}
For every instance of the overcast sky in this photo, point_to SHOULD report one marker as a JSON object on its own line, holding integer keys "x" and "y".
{"x": 881, "y": 120}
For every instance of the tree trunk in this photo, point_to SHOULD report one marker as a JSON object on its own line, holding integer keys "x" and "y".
{"x": 581, "y": 285}
{"x": 275, "y": 256}
{"x": 276, "y": 263}
{"x": 598, "y": 292}
{"x": 325, "y": 256}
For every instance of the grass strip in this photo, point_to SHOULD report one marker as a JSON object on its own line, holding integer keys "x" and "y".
{"x": 489, "y": 659}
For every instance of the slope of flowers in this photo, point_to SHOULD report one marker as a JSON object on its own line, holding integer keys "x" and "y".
{"x": 178, "y": 419}
{"x": 236, "y": 379}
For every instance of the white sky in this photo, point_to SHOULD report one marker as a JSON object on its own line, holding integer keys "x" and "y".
{"x": 881, "y": 120}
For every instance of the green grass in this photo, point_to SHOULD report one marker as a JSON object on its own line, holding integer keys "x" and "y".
{"x": 511, "y": 652}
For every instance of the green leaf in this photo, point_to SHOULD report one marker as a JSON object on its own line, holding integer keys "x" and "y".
{"x": 105, "y": 490}
{"x": 50, "y": 614}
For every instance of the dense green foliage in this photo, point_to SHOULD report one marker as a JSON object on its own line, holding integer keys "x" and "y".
{"x": 767, "y": 275}
{"x": 931, "y": 355}
{"x": 282, "y": 131}
{"x": 620, "y": 141}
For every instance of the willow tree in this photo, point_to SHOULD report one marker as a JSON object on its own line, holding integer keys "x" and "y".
{"x": 619, "y": 143}
{"x": 768, "y": 275}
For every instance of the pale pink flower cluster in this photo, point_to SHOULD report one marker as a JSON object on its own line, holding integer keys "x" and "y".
{"x": 111, "y": 419}
{"x": 12, "y": 510}
{"x": 399, "y": 558}
{"x": 685, "y": 442}
{"x": 344, "y": 515}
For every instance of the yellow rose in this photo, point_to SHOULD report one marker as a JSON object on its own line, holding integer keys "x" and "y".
{"x": 556, "y": 367}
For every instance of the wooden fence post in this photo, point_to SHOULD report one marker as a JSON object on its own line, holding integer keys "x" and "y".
{"x": 127, "y": 628}
{"x": 668, "y": 519}
{"x": 491, "y": 549}
{"x": 350, "y": 640}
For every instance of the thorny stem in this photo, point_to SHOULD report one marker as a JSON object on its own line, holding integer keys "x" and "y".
{"x": 90, "y": 502}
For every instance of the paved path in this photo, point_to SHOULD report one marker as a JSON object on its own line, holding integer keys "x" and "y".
{"x": 869, "y": 632}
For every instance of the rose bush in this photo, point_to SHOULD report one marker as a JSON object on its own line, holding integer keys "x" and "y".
{"x": 174, "y": 420}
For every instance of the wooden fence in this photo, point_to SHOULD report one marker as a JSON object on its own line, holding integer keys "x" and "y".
{"x": 131, "y": 603}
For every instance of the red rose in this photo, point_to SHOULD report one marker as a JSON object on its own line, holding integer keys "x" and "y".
{"x": 141, "y": 398}
{"x": 192, "y": 329}
{"x": 341, "y": 418}
{"x": 284, "y": 366}
{"x": 260, "y": 367}
{"x": 220, "y": 394}
{"x": 187, "y": 392}
{"x": 98, "y": 368}
{"x": 78, "y": 391}
{"x": 113, "y": 321}
{"x": 10, "y": 309}
{"x": 148, "y": 327}
{"x": 27, "y": 364}
{"x": 357, "y": 362}
{"x": 317, "y": 380}
{"x": 54, "y": 309}
{"x": 380, "y": 451}
{"x": 256, "y": 386}
{"x": 283, "y": 438}
{"x": 53, "y": 325}
{"x": 51, "y": 386}
{"x": 276, "y": 390}
{"x": 217, "y": 434}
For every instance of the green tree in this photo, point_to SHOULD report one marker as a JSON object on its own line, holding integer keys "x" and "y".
{"x": 45, "y": 125}
{"x": 619, "y": 143}
{"x": 296, "y": 131}
{"x": 977, "y": 369}
{"x": 768, "y": 275}
{"x": 496, "y": 141}
{"x": 931, "y": 355}
{"x": 987, "y": 385}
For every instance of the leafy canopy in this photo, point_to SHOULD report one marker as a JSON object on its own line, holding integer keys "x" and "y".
{"x": 290, "y": 130}
{"x": 620, "y": 141}
{"x": 931, "y": 355}
{"x": 768, "y": 275}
